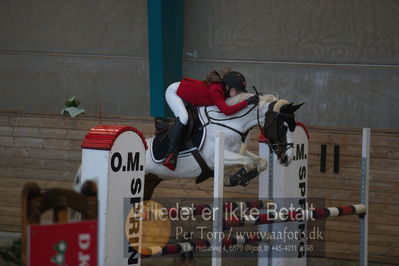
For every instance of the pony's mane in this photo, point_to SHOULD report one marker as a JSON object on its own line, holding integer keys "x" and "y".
{"x": 243, "y": 96}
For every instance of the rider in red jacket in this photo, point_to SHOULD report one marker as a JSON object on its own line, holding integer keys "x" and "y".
{"x": 201, "y": 93}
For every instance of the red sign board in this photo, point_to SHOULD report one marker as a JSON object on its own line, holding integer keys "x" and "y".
{"x": 63, "y": 244}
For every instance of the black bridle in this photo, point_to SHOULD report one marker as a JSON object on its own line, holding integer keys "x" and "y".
{"x": 280, "y": 146}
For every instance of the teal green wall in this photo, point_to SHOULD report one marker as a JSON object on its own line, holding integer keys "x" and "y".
{"x": 165, "y": 39}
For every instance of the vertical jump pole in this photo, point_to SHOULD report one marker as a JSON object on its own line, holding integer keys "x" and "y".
{"x": 265, "y": 192}
{"x": 218, "y": 200}
{"x": 364, "y": 196}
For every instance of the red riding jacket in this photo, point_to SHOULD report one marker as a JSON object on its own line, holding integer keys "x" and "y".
{"x": 199, "y": 93}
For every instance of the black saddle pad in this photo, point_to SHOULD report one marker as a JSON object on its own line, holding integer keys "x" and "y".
{"x": 161, "y": 141}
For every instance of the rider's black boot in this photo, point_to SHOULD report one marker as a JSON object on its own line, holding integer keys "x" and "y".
{"x": 174, "y": 141}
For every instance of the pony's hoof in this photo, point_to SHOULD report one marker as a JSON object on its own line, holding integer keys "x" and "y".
{"x": 237, "y": 178}
{"x": 249, "y": 176}
{"x": 242, "y": 177}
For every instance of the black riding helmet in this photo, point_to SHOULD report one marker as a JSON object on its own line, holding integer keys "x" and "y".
{"x": 233, "y": 79}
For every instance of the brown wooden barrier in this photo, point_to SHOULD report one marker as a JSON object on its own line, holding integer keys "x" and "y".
{"x": 35, "y": 202}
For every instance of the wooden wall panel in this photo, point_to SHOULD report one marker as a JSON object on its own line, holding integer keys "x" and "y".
{"x": 46, "y": 148}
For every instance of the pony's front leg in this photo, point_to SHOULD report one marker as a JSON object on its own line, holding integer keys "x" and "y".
{"x": 261, "y": 163}
{"x": 233, "y": 160}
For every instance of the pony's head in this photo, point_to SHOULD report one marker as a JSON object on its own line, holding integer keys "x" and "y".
{"x": 279, "y": 121}
{"x": 280, "y": 118}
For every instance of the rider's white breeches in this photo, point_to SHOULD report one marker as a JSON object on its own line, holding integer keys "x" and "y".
{"x": 176, "y": 103}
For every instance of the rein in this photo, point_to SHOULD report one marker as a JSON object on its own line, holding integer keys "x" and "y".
{"x": 232, "y": 118}
{"x": 242, "y": 134}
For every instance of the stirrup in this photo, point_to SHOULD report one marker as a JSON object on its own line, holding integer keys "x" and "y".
{"x": 170, "y": 161}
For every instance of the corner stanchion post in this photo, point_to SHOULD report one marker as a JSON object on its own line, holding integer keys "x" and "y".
{"x": 364, "y": 196}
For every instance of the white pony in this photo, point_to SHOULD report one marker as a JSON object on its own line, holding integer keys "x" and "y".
{"x": 281, "y": 115}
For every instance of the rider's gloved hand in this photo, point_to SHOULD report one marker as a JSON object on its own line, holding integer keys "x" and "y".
{"x": 253, "y": 99}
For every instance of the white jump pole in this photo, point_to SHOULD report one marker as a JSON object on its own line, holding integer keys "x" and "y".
{"x": 265, "y": 190}
{"x": 218, "y": 200}
{"x": 364, "y": 196}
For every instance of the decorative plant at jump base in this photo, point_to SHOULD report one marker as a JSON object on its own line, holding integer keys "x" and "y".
{"x": 72, "y": 107}
{"x": 12, "y": 253}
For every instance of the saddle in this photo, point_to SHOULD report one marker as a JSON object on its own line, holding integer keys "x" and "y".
{"x": 193, "y": 139}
